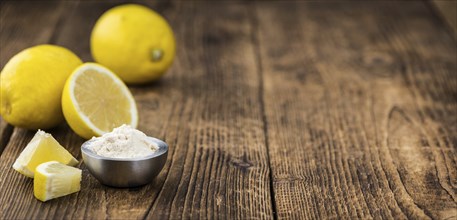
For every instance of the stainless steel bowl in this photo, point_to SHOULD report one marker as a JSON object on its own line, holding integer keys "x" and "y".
{"x": 125, "y": 172}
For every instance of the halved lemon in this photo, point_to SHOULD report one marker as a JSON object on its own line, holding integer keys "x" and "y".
{"x": 53, "y": 179}
{"x": 95, "y": 101}
{"x": 42, "y": 148}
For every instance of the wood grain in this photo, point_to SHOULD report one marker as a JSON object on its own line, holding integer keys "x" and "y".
{"x": 219, "y": 167}
{"x": 35, "y": 26}
{"x": 207, "y": 108}
{"x": 448, "y": 10}
{"x": 284, "y": 110}
{"x": 360, "y": 103}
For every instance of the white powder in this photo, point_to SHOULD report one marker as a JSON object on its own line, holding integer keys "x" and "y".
{"x": 123, "y": 142}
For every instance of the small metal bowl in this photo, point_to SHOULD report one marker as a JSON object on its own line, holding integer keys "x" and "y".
{"x": 125, "y": 172}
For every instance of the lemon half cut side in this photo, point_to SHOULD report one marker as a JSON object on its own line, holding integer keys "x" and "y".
{"x": 95, "y": 101}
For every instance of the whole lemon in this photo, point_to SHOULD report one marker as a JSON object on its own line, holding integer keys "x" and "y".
{"x": 133, "y": 41}
{"x": 31, "y": 86}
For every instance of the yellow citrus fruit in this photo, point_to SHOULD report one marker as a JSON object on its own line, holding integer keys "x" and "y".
{"x": 53, "y": 179}
{"x": 95, "y": 101}
{"x": 42, "y": 148}
{"x": 31, "y": 85}
{"x": 133, "y": 41}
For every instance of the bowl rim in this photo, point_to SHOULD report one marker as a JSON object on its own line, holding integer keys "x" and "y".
{"x": 163, "y": 148}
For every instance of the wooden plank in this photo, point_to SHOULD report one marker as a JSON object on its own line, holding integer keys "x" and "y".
{"x": 20, "y": 32}
{"x": 35, "y": 25}
{"x": 5, "y": 134}
{"x": 219, "y": 167}
{"x": 207, "y": 108}
{"x": 19, "y": 189}
{"x": 361, "y": 110}
{"x": 448, "y": 9}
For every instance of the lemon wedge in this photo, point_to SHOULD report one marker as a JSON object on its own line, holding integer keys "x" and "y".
{"x": 53, "y": 179}
{"x": 95, "y": 101}
{"x": 42, "y": 148}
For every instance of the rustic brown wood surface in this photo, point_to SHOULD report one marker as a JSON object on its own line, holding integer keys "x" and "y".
{"x": 297, "y": 109}
{"x": 447, "y": 9}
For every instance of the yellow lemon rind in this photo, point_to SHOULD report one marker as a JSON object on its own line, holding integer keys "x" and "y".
{"x": 38, "y": 151}
{"x": 48, "y": 185}
{"x": 77, "y": 120}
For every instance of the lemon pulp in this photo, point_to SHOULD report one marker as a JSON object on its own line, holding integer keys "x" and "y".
{"x": 53, "y": 179}
{"x": 95, "y": 101}
{"x": 42, "y": 148}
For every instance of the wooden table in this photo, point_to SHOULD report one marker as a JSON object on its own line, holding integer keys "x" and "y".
{"x": 298, "y": 109}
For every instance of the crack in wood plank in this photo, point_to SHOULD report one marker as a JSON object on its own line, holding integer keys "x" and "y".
{"x": 277, "y": 110}
{"x": 255, "y": 41}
